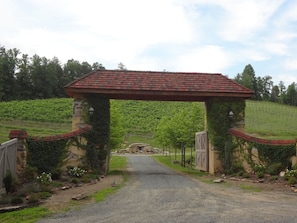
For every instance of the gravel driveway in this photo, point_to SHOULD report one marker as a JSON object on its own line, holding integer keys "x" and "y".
{"x": 156, "y": 194}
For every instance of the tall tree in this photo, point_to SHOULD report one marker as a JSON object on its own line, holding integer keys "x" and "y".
{"x": 267, "y": 85}
{"x": 248, "y": 79}
{"x": 23, "y": 79}
{"x": 97, "y": 66}
{"x": 275, "y": 94}
{"x": 291, "y": 97}
{"x": 122, "y": 66}
{"x": 8, "y": 65}
{"x": 282, "y": 89}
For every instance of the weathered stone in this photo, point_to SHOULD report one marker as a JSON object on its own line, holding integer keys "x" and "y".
{"x": 282, "y": 174}
{"x": 218, "y": 181}
{"x": 261, "y": 180}
{"x": 79, "y": 197}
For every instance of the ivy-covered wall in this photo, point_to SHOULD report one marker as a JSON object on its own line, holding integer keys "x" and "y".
{"x": 97, "y": 149}
{"x": 268, "y": 154}
{"x": 219, "y": 122}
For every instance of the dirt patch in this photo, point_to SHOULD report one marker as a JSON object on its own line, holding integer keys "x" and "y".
{"x": 62, "y": 199}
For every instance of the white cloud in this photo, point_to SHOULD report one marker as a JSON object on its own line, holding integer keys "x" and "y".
{"x": 291, "y": 64}
{"x": 209, "y": 58}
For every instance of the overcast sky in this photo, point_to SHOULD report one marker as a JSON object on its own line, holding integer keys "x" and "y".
{"x": 175, "y": 35}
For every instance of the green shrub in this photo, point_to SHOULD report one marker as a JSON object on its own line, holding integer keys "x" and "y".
{"x": 292, "y": 180}
{"x": 9, "y": 183}
{"x": 259, "y": 168}
{"x": 30, "y": 173}
{"x": 274, "y": 168}
{"x": 246, "y": 175}
{"x": 294, "y": 167}
{"x": 240, "y": 173}
{"x": 33, "y": 198}
{"x": 260, "y": 174}
{"x": 29, "y": 188}
{"x": 44, "y": 195}
{"x": 16, "y": 200}
{"x": 237, "y": 167}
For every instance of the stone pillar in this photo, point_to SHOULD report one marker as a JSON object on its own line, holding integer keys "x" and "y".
{"x": 22, "y": 136}
{"x": 77, "y": 115}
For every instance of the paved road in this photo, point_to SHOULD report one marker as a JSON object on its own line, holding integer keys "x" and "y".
{"x": 156, "y": 194}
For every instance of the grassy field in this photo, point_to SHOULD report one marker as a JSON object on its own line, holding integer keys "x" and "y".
{"x": 271, "y": 120}
{"x": 53, "y": 116}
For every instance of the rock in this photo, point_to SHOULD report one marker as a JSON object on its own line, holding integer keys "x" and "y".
{"x": 261, "y": 181}
{"x": 295, "y": 191}
{"x": 65, "y": 187}
{"x": 79, "y": 197}
{"x": 233, "y": 178}
{"x": 282, "y": 174}
{"x": 218, "y": 181}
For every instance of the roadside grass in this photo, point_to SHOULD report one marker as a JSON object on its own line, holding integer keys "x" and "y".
{"x": 27, "y": 215}
{"x": 167, "y": 161}
{"x": 117, "y": 166}
{"x": 250, "y": 188}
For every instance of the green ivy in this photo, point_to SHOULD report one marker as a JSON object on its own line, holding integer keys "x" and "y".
{"x": 219, "y": 123}
{"x": 46, "y": 156}
{"x": 267, "y": 154}
{"x": 276, "y": 154}
{"x": 97, "y": 149}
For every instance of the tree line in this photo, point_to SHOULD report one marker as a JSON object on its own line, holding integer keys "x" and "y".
{"x": 23, "y": 77}
{"x": 264, "y": 88}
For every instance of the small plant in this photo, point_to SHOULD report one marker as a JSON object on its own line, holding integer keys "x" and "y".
{"x": 34, "y": 198}
{"x": 259, "y": 168}
{"x": 29, "y": 188}
{"x": 292, "y": 180}
{"x": 30, "y": 174}
{"x": 274, "y": 168}
{"x": 260, "y": 174}
{"x": 8, "y": 182}
{"x": 246, "y": 175}
{"x": 74, "y": 181}
{"x": 273, "y": 178}
{"x": 240, "y": 173}
{"x": 291, "y": 173}
{"x": 76, "y": 172}
{"x": 45, "y": 178}
{"x": 44, "y": 195}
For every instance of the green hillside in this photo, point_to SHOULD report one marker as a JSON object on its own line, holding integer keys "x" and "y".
{"x": 53, "y": 116}
{"x": 271, "y": 120}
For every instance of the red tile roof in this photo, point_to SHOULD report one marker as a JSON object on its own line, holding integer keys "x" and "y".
{"x": 151, "y": 85}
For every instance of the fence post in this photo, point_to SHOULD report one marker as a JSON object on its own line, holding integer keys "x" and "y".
{"x": 22, "y": 136}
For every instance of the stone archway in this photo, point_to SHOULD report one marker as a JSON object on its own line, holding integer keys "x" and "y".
{"x": 158, "y": 86}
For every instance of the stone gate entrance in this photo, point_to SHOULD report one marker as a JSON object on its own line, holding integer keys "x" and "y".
{"x": 157, "y": 86}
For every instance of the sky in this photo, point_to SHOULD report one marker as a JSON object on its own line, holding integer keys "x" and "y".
{"x": 210, "y": 36}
